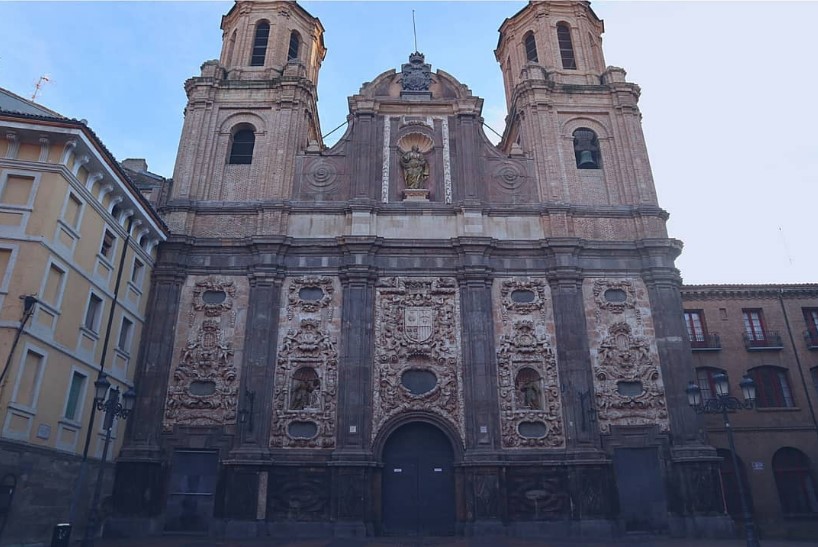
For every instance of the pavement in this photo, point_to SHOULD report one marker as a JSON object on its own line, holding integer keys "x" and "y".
{"x": 482, "y": 541}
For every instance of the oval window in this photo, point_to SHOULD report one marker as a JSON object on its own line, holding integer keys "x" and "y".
{"x": 532, "y": 430}
{"x": 629, "y": 389}
{"x": 523, "y": 296}
{"x": 616, "y": 296}
{"x": 214, "y": 297}
{"x": 418, "y": 381}
{"x": 310, "y": 294}
{"x": 302, "y": 430}
{"x": 202, "y": 388}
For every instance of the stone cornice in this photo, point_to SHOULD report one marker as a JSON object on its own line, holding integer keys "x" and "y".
{"x": 736, "y": 292}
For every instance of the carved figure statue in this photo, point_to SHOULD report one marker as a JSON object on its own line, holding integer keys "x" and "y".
{"x": 531, "y": 395}
{"x": 415, "y": 168}
{"x": 304, "y": 394}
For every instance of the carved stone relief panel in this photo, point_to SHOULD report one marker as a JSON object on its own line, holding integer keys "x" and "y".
{"x": 417, "y": 350}
{"x": 529, "y": 396}
{"x": 306, "y": 377}
{"x": 627, "y": 380}
{"x": 204, "y": 378}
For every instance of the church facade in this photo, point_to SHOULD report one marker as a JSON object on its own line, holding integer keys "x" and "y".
{"x": 415, "y": 331}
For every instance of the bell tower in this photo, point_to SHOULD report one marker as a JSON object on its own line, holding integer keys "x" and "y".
{"x": 249, "y": 113}
{"x": 576, "y": 117}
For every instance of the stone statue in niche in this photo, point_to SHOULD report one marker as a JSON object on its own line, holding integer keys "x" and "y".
{"x": 528, "y": 388}
{"x": 305, "y": 390}
{"x": 415, "y": 168}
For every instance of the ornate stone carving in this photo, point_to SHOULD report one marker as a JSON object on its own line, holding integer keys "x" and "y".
{"x": 604, "y": 301}
{"x": 416, "y": 75}
{"x": 528, "y": 380}
{"x": 204, "y": 383}
{"x": 214, "y": 306}
{"x": 415, "y": 168}
{"x": 306, "y": 378}
{"x": 299, "y": 300}
{"x": 625, "y": 360}
{"x": 627, "y": 380}
{"x": 509, "y": 176}
{"x": 529, "y": 388}
{"x": 417, "y": 328}
{"x": 321, "y": 175}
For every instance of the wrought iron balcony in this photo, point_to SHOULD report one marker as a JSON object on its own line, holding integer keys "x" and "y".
{"x": 811, "y": 337}
{"x": 771, "y": 340}
{"x": 705, "y": 342}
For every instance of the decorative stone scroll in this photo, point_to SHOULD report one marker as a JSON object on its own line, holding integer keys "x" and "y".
{"x": 306, "y": 377}
{"x": 204, "y": 383}
{"x": 627, "y": 380}
{"x": 417, "y": 350}
{"x": 529, "y": 394}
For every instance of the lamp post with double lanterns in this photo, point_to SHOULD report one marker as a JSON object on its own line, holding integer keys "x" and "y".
{"x": 722, "y": 404}
{"x": 115, "y": 406}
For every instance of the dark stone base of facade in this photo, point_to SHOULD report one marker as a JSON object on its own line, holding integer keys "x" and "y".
{"x": 44, "y": 482}
{"x": 556, "y": 500}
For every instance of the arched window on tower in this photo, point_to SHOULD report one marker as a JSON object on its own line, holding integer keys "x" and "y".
{"x": 260, "y": 43}
{"x": 531, "y": 48}
{"x": 566, "y": 46}
{"x": 241, "y": 149}
{"x": 295, "y": 46}
{"x": 796, "y": 488}
{"x": 586, "y": 149}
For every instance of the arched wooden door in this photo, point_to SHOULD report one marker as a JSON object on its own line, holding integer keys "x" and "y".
{"x": 417, "y": 491}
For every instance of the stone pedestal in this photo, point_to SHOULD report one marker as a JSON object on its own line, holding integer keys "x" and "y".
{"x": 416, "y": 194}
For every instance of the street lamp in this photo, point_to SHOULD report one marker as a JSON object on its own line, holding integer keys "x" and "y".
{"x": 113, "y": 408}
{"x": 720, "y": 405}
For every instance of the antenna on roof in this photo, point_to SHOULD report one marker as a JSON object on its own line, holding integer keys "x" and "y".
{"x": 38, "y": 85}
{"x": 414, "y": 30}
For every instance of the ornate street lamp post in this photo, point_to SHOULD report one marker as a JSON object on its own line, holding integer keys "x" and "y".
{"x": 721, "y": 404}
{"x": 113, "y": 408}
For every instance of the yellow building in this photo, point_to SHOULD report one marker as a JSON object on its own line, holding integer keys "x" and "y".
{"x": 67, "y": 212}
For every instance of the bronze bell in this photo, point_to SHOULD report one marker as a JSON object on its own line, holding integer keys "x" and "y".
{"x": 586, "y": 160}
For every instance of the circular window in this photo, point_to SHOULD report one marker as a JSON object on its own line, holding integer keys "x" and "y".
{"x": 532, "y": 430}
{"x": 302, "y": 430}
{"x": 418, "y": 381}
{"x": 616, "y": 296}
{"x": 310, "y": 294}
{"x": 214, "y": 297}
{"x": 523, "y": 296}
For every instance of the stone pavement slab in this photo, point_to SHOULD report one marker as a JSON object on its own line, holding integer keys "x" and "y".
{"x": 483, "y": 541}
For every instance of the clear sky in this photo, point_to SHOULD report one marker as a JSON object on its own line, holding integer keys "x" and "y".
{"x": 728, "y": 97}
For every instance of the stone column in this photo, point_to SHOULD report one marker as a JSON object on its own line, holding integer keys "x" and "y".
{"x": 479, "y": 354}
{"x": 355, "y": 364}
{"x": 573, "y": 358}
{"x": 258, "y": 369}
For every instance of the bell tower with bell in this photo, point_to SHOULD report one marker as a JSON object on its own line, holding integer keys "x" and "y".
{"x": 576, "y": 117}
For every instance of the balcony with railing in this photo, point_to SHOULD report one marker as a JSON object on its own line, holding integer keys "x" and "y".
{"x": 769, "y": 340}
{"x": 705, "y": 342}
{"x": 811, "y": 337}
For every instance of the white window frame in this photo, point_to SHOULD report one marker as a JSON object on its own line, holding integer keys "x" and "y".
{"x": 98, "y": 319}
{"x": 128, "y": 338}
{"x": 80, "y": 408}
{"x": 38, "y": 384}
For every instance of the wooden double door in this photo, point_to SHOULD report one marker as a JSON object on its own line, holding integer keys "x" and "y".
{"x": 417, "y": 490}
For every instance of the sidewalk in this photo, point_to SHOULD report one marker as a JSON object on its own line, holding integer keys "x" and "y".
{"x": 483, "y": 541}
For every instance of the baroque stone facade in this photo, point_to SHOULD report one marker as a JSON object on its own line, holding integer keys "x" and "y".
{"x": 417, "y": 350}
{"x": 415, "y": 331}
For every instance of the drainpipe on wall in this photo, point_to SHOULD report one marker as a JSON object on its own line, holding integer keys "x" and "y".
{"x": 79, "y": 485}
{"x": 28, "y": 310}
{"x": 797, "y": 359}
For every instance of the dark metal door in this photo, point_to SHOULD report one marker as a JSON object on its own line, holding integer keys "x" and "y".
{"x": 418, "y": 482}
{"x": 191, "y": 492}
{"x": 642, "y": 502}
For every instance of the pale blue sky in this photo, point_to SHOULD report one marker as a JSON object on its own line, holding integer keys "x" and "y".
{"x": 728, "y": 97}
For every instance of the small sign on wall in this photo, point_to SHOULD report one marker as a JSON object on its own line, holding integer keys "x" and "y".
{"x": 758, "y": 466}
